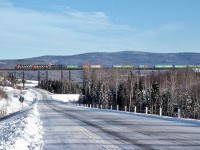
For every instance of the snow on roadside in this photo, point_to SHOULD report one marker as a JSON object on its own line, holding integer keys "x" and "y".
{"x": 29, "y": 83}
{"x": 66, "y": 97}
{"x": 23, "y": 131}
{"x": 12, "y": 104}
{"x": 2, "y": 80}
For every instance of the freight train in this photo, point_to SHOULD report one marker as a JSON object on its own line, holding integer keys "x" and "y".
{"x": 86, "y": 66}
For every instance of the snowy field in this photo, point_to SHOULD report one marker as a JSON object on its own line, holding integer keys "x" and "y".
{"x": 12, "y": 104}
{"x": 66, "y": 97}
{"x": 29, "y": 83}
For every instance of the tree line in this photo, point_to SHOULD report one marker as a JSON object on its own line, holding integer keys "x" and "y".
{"x": 60, "y": 87}
{"x": 171, "y": 90}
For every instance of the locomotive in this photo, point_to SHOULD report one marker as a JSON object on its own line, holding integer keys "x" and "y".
{"x": 35, "y": 67}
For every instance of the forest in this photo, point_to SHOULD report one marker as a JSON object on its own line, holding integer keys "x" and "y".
{"x": 171, "y": 91}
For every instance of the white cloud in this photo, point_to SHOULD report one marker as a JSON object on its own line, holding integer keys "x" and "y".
{"x": 17, "y": 18}
{"x": 64, "y": 31}
{"x": 68, "y": 30}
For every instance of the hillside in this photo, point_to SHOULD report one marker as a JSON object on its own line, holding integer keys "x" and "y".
{"x": 109, "y": 59}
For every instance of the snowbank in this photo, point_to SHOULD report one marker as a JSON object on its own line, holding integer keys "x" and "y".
{"x": 22, "y": 132}
{"x": 66, "y": 97}
{"x": 12, "y": 104}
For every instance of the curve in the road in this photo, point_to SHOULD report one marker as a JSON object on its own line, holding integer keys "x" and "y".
{"x": 116, "y": 135}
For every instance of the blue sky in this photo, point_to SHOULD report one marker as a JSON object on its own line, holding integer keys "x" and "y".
{"x": 30, "y": 28}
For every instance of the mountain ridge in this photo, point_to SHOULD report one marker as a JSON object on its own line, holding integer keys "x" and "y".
{"x": 112, "y": 58}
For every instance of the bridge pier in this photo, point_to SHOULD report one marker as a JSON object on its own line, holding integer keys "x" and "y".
{"x": 38, "y": 78}
{"x": 43, "y": 75}
{"x": 23, "y": 80}
{"x": 64, "y": 77}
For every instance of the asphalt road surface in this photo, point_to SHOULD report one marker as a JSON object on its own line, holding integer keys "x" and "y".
{"x": 68, "y": 127}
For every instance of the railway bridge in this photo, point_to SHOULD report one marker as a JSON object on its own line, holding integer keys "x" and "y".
{"x": 73, "y": 73}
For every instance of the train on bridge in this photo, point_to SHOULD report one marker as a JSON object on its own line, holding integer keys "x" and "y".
{"x": 86, "y": 67}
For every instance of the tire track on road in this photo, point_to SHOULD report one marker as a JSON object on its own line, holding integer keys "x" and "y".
{"x": 117, "y": 136}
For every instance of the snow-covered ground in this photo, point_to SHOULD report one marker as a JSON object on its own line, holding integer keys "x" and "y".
{"x": 23, "y": 130}
{"x": 66, "y": 97}
{"x": 29, "y": 83}
{"x": 2, "y": 80}
{"x": 12, "y": 104}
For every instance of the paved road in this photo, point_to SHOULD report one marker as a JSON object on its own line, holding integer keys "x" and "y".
{"x": 67, "y": 127}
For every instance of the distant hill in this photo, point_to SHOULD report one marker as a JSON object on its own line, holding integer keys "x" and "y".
{"x": 109, "y": 59}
